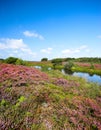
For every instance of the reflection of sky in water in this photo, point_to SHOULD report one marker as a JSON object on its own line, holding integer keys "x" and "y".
{"x": 37, "y": 67}
{"x": 93, "y": 78}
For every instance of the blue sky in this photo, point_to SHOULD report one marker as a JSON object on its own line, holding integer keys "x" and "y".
{"x": 33, "y": 29}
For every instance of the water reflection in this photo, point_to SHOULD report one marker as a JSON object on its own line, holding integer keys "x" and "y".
{"x": 37, "y": 67}
{"x": 43, "y": 68}
{"x": 90, "y": 77}
{"x": 67, "y": 71}
{"x": 90, "y": 74}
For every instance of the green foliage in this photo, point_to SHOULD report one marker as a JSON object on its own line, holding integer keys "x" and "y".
{"x": 68, "y": 65}
{"x": 91, "y": 66}
{"x": 69, "y": 59}
{"x": 83, "y": 59}
{"x": 44, "y": 68}
{"x": 3, "y": 102}
{"x": 16, "y": 61}
{"x": 57, "y": 60}
{"x": 86, "y": 70}
{"x": 21, "y": 99}
{"x": 11, "y": 60}
{"x": 20, "y": 62}
{"x": 44, "y": 59}
{"x": 89, "y": 59}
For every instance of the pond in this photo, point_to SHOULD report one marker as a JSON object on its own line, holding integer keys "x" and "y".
{"x": 92, "y": 78}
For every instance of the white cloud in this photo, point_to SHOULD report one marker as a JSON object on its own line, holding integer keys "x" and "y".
{"x": 99, "y": 36}
{"x": 48, "y": 50}
{"x": 77, "y": 50}
{"x": 11, "y": 43}
{"x": 33, "y": 34}
{"x": 29, "y": 34}
{"x": 16, "y": 47}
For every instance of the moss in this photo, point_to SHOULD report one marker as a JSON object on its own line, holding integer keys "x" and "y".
{"x": 3, "y": 102}
{"x": 21, "y": 99}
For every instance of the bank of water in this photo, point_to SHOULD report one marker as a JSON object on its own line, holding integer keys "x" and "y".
{"x": 91, "y": 78}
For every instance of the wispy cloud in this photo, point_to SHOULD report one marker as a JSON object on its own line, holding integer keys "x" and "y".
{"x": 33, "y": 34}
{"x": 99, "y": 36}
{"x": 76, "y": 50}
{"x": 16, "y": 47}
{"x": 47, "y": 50}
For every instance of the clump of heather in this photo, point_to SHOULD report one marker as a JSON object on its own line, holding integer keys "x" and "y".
{"x": 97, "y": 66}
{"x": 65, "y": 83}
{"x": 33, "y": 100}
{"x": 13, "y": 75}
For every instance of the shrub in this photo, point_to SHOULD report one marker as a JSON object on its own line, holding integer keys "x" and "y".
{"x": 44, "y": 59}
{"x": 20, "y": 62}
{"x": 11, "y": 60}
{"x": 16, "y": 61}
{"x": 68, "y": 65}
{"x": 57, "y": 60}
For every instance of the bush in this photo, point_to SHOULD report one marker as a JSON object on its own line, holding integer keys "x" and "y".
{"x": 11, "y": 60}
{"x": 20, "y": 62}
{"x": 16, "y": 61}
{"x": 57, "y": 60}
{"x": 44, "y": 59}
{"x": 68, "y": 65}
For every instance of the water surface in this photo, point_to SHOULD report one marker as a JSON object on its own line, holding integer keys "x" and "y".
{"x": 91, "y": 78}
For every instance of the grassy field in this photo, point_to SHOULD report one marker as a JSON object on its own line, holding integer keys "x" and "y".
{"x": 34, "y": 100}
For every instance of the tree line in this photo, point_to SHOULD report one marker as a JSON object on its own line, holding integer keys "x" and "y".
{"x": 83, "y": 59}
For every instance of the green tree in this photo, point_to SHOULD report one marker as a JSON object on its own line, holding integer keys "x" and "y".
{"x": 57, "y": 61}
{"x": 11, "y": 60}
{"x": 68, "y": 65}
{"x": 44, "y": 59}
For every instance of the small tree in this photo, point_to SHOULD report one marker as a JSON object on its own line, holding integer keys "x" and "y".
{"x": 68, "y": 65}
{"x": 44, "y": 59}
{"x": 11, "y": 60}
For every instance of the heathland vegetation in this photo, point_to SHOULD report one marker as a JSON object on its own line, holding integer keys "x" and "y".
{"x": 34, "y": 100}
{"x": 88, "y": 65}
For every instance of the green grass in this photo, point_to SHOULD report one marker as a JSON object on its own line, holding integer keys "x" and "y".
{"x": 86, "y": 70}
